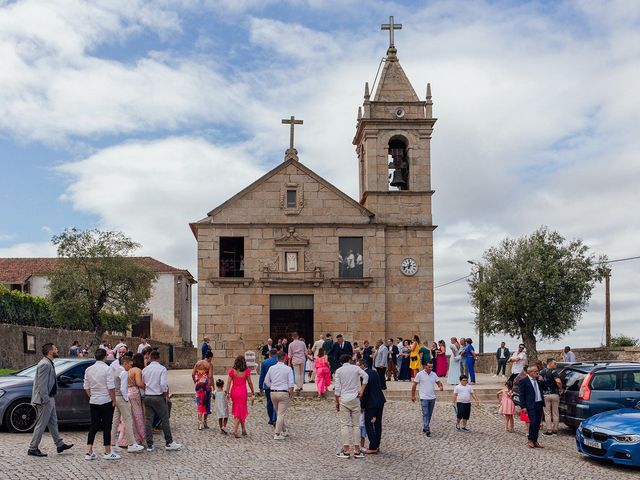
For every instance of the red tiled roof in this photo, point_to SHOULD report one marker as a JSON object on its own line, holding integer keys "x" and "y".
{"x": 18, "y": 270}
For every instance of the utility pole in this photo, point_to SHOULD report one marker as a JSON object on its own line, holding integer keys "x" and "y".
{"x": 607, "y": 308}
{"x": 480, "y": 310}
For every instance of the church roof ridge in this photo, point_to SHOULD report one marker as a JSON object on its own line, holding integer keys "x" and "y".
{"x": 270, "y": 174}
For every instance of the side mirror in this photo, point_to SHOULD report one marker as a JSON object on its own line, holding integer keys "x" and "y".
{"x": 65, "y": 380}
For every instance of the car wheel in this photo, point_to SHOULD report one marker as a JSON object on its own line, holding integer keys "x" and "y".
{"x": 21, "y": 416}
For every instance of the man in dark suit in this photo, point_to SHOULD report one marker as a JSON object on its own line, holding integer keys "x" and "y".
{"x": 372, "y": 402}
{"x": 45, "y": 387}
{"x": 340, "y": 347}
{"x": 532, "y": 401}
{"x": 502, "y": 356}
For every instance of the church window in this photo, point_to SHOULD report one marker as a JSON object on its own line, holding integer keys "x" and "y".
{"x": 232, "y": 256}
{"x": 350, "y": 259}
{"x": 292, "y": 261}
{"x": 291, "y": 199}
{"x": 398, "y": 165}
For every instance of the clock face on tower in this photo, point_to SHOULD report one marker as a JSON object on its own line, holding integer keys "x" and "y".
{"x": 409, "y": 267}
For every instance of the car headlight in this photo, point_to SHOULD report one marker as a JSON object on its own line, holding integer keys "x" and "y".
{"x": 627, "y": 438}
{"x": 2, "y": 392}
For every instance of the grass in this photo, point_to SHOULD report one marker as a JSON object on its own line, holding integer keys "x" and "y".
{"x": 6, "y": 371}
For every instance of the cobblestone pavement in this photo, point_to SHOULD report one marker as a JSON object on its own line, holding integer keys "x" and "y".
{"x": 485, "y": 452}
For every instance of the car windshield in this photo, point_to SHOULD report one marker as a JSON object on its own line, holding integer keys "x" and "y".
{"x": 60, "y": 364}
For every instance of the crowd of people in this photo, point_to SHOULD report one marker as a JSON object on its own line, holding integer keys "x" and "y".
{"x": 129, "y": 396}
{"x": 128, "y": 399}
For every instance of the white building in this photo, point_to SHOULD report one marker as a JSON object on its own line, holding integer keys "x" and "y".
{"x": 168, "y": 314}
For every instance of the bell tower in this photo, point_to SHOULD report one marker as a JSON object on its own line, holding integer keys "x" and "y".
{"x": 393, "y": 144}
{"x": 393, "y": 137}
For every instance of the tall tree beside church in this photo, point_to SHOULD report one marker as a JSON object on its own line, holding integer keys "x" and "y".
{"x": 535, "y": 287}
{"x": 96, "y": 284}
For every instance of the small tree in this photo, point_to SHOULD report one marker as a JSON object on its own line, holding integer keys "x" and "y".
{"x": 624, "y": 341}
{"x": 96, "y": 285}
{"x": 534, "y": 287}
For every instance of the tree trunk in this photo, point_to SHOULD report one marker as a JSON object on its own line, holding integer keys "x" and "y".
{"x": 98, "y": 328}
{"x": 529, "y": 340}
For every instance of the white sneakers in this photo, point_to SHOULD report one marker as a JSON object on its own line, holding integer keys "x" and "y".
{"x": 135, "y": 448}
{"x": 111, "y": 456}
{"x": 279, "y": 437}
{"x": 90, "y": 456}
{"x": 173, "y": 446}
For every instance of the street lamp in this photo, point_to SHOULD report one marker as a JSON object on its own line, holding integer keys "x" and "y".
{"x": 480, "y": 310}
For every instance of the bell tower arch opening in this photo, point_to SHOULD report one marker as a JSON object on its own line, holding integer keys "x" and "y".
{"x": 398, "y": 164}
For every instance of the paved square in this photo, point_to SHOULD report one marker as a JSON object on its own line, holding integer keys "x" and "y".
{"x": 485, "y": 452}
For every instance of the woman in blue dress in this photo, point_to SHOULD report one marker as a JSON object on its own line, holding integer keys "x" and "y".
{"x": 454, "y": 362}
{"x": 405, "y": 373}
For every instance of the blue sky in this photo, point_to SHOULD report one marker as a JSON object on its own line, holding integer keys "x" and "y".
{"x": 144, "y": 115}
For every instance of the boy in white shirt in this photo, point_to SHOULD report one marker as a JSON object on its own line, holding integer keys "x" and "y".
{"x": 462, "y": 395}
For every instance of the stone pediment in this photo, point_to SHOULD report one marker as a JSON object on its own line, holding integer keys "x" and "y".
{"x": 290, "y": 193}
{"x": 291, "y": 239}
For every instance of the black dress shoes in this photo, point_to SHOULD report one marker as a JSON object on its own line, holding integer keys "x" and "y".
{"x": 64, "y": 447}
{"x": 36, "y": 453}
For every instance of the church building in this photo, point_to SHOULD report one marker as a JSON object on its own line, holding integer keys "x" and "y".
{"x": 291, "y": 252}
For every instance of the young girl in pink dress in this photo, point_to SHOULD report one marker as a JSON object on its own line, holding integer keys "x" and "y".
{"x": 239, "y": 377}
{"x": 507, "y": 407}
{"x": 323, "y": 373}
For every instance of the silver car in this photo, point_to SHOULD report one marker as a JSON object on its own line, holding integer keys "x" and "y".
{"x": 72, "y": 404}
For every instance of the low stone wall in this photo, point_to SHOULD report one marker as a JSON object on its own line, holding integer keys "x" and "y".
{"x": 486, "y": 362}
{"x": 13, "y": 355}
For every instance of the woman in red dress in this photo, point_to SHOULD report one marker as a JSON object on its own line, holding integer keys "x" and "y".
{"x": 441, "y": 359}
{"x": 239, "y": 377}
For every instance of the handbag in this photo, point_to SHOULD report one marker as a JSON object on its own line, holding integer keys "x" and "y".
{"x": 414, "y": 358}
{"x": 524, "y": 416}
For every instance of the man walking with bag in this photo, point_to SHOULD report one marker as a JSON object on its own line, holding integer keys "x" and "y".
{"x": 43, "y": 395}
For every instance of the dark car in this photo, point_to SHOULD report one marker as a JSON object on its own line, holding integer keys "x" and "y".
{"x": 592, "y": 388}
{"x": 72, "y": 405}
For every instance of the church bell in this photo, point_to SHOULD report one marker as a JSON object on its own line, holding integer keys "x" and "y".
{"x": 398, "y": 180}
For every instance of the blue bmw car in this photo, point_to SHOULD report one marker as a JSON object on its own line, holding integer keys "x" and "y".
{"x": 612, "y": 435}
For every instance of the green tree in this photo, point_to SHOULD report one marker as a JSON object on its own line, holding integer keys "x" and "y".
{"x": 96, "y": 284}
{"x": 624, "y": 341}
{"x": 536, "y": 286}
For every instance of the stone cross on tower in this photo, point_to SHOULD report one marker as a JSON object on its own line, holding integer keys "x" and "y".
{"x": 291, "y": 152}
{"x": 391, "y": 27}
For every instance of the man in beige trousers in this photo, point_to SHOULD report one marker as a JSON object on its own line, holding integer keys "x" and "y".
{"x": 297, "y": 357}
{"x": 279, "y": 381}
{"x": 350, "y": 381}
{"x": 552, "y": 391}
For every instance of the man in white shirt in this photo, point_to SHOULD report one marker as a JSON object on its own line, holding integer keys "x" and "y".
{"x": 156, "y": 394}
{"x": 99, "y": 385}
{"x": 519, "y": 360}
{"x": 380, "y": 361}
{"x": 569, "y": 356}
{"x": 279, "y": 381}
{"x": 297, "y": 357}
{"x": 426, "y": 379}
{"x": 143, "y": 344}
{"x": 123, "y": 407}
{"x": 350, "y": 381}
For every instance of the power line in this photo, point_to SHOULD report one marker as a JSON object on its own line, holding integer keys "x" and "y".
{"x": 619, "y": 260}
{"x": 598, "y": 263}
{"x": 453, "y": 281}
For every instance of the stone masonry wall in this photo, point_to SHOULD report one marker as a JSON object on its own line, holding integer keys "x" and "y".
{"x": 12, "y": 354}
{"x": 486, "y": 362}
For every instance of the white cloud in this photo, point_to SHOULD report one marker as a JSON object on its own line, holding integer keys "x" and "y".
{"x": 29, "y": 249}
{"x": 152, "y": 190}
{"x": 538, "y": 122}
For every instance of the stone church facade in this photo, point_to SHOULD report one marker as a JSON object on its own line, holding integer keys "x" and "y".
{"x": 291, "y": 252}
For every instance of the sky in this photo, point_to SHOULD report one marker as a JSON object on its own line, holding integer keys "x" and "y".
{"x": 142, "y": 116}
